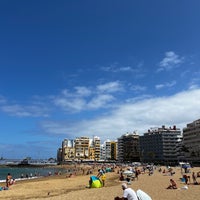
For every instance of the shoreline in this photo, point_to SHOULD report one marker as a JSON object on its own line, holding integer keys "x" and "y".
{"x": 61, "y": 187}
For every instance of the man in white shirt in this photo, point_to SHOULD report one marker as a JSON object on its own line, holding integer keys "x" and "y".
{"x": 129, "y": 194}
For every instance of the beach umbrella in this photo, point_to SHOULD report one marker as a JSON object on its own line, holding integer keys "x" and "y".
{"x": 127, "y": 172}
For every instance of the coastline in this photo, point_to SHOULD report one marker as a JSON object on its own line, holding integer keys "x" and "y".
{"x": 27, "y": 172}
{"x": 61, "y": 187}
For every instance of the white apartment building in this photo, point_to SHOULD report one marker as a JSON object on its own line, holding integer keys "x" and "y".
{"x": 191, "y": 141}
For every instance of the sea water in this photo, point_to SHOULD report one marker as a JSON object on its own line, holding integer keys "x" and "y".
{"x": 23, "y": 173}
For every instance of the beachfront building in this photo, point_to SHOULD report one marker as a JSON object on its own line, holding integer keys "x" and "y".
{"x": 109, "y": 150}
{"x": 82, "y": 145}
{"x": 113, "y": 150}
{"x": 94, "y": 150}
{"x": 191, "y": 141}
{"x": 82, "y": 148}
{"x": 67, "y": 150}
{"x": 159, "y": 145}
{"x": 128, "y": 148}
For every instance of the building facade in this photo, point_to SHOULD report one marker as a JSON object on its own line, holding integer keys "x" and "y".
{"x": 191, "y": 141}
{"x": 95, "y": 149}
{"x": 160, "y": 145}
{"x": 82, "y": 148}
{"x": 128, "y": 148}
{"x": 109, "y": 150}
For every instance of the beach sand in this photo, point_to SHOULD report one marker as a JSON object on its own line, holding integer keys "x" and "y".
{"x": 59, "y": 187}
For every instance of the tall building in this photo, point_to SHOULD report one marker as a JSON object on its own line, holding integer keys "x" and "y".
{"x": 113, "y": 150}
{"x": 128, "y": 148}
{"x": 95, "y": 148}
{"x": 82, "y": 147}
{"x": 160, "y": 145}
{"x": 191, "y": 141}
{"x": 109, "y": 150}
{"x": 68, "y": 150}
{"x": 96, "y": 145}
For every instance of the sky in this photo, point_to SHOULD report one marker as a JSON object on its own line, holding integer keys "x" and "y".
{"x": 95, "y": 68}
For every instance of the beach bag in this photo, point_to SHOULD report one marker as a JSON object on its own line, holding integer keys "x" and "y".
{"x": 142, "y": 195}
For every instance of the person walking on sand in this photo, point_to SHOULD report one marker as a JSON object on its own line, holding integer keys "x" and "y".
{"x": 129, "y": 194}
{"x": 194, "y": 178}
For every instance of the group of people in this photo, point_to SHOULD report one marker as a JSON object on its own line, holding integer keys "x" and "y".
{"x": 186, "y": 179}
{"x": 129, "y": 176}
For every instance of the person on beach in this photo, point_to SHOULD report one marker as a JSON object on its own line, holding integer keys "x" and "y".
{"x": 172, "y": 185}
{"x": 129, "y": 194}
{"x": 194, "y": 178}
{"x": 187, "y": 179}
{"x": 103, "y": 179}
{"x": 121, "y": 178}
{"x": 100, "y": 172}
{"x": 8, "y": 180}
{"x": 136, "y": 173}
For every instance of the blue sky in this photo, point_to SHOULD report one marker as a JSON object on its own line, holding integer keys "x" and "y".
{"x": 95, "y": 68}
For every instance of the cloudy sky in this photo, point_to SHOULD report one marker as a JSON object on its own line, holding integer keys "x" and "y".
{"x": 95, "y": 68}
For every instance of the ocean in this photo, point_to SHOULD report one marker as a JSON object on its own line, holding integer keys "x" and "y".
{"x": 24, "y": 173}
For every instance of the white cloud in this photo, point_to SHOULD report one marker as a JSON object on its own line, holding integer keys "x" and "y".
{"x": 86, "y": 99}
{"x": 110, "y": 87}
{"x": 83, "y": 91}
{"x": 25, "y": 111}
{"x": 178, "y": 110}
{"x": 100, "y": 101}
{"x": 169, "y": 61}
{"x": 165, "y": 85}
{"x": 116, "y": 68}
{"x": 71, "y": 104}
{"x": 138, "y": 88}
{"x": 79, "y": 91}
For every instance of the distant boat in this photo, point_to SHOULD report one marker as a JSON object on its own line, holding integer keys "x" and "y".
{"x": 31, "y": 163}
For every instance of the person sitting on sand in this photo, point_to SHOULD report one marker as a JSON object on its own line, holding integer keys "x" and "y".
{"x": 129, "y": 194}
{"x": 8, "y": 180}
{"x": 172, "y": 185}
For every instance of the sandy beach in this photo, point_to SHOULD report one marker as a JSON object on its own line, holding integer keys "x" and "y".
{"x": 61, "y": 187}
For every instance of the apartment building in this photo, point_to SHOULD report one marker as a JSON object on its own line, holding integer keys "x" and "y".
{"x": 82, "y": 147}
{"x": 113, "y": 150}
{"x": 191, "y": 141}
{"x": 128, "y": 148}
{"x": 160, "y": 145}
{"x": 68, "y": 152}
{"x": 95, "y": 148}
{"x": 109, "y": 150}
